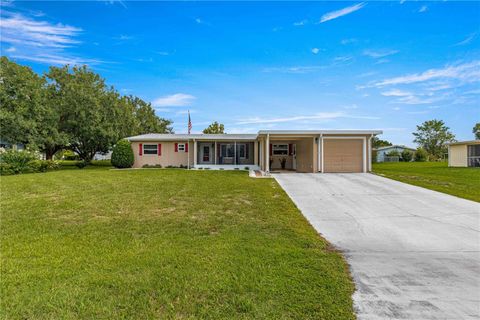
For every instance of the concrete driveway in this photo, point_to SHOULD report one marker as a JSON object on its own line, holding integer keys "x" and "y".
{"x": 414, "y": 253}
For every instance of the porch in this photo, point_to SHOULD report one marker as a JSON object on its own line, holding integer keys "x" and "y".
{"x": 226, "y": 155}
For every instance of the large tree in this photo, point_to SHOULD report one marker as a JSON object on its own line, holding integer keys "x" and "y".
{"x": 146, "y": 119}
{"x": 87, "y": 107}
{"x": 476, "y": 131}
{"x": 214, "y": 128}
{"x": 377, "y": 143}
{"x": 433, "y": 136}
{"x": 27, "y": 114}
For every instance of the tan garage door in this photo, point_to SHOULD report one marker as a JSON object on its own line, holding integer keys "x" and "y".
{"x": 343, "y": 155}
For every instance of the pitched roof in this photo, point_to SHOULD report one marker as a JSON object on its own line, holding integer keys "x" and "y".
{"x": 395, "y": 146}
{"x": 185, "y": 137}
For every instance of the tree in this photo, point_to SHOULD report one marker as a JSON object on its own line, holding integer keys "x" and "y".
{"x": 476, "y": 131}
{"x": 421, "y": 155}
{"x": 122, "y": 155}
{"x": 214, "y": 128}
{"x": 433, "y": 136}
{"x": 377, "y": 143}
{"x": 88, "y": 109}
{"x": 146, "y": 119}
{"x": 407, "y": 156}
{"x": 27, "y": 114}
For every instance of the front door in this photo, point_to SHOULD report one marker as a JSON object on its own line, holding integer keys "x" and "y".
{"x": 206, "y": 153}
{"x": 294, "y": 157}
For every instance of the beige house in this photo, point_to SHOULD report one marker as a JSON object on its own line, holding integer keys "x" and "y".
{"x": 464, "y": 154}
{"x": 267, "y": 150}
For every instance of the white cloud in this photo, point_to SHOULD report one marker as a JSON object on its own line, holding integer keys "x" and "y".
{"x": 396, "y": 108}
{"x": 294, "y": 69}
{"x": 348, "y": 41}
{"x": 395, "y": 93}
{"x": 342, "y": 59}
{"x": 124, "y": 37}
{"x": 315, "y": 50}
{"x": 321, "y": 116}
{"x": 162, "y": 53}
{"x": 379, "y": 53}
{"x": 300, "y": 23}
{"x": 57, "y": 59}
{"x": 342, "y": 12}
{"x": 11, "y": 49}
{"x": 423, "y": 8}
{"x": 467, "y": 40}
{"x": 174, "y": 100}
{"x": 466, "y": 72}
{"x": 18, "y": 29}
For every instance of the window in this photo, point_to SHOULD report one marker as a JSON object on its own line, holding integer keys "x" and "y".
{"x": 226, "y": 150}
{"x": 474, "y": 156}
{"x": 181, "y": 147}
{"x": 280, "y": 149}
{"x": 242, "y": 151}
{"x": 150, "y": 149}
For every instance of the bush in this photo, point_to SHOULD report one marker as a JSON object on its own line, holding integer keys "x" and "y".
{"x": 421, "y": 155}
{"x": 407, "y": 156}
{"x": 70, "y": 155}
{"x": 122, "y": 155}
{"x": 152, "y": 166}
{"x": 393, "y": 153}
{"x": 5, "y": 169}
{"x": 43, "y": 165}
{"x": 16, "y": 161}
{"x": 101, "y": 163}
{"x": 81, "y": 164}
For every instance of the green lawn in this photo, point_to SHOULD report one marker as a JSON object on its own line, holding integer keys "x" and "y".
{"x": 171, "y": 244}
{"x": 460, "y": 182}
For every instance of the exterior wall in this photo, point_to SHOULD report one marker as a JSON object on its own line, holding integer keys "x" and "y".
{"x": 276, "y": 158}
{"x": 305, "y": 155}
{"x": 168, "y": 158}
{"x": 382, "y": 153}
{"x": 457, "y": 155}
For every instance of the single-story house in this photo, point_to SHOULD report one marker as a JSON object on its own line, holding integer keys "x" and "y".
{"x": 383, "y": 151}
{"x": 464, "y": 154}
{"x": 301, "y": 151}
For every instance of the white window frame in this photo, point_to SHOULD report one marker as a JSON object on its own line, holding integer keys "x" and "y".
{"x": 226, "y": 150}
{"x": 244, "y": 150}
{"x": 181, "y": 147}
{"x": 280, "y": 147}
{"x": 150, "y": 149}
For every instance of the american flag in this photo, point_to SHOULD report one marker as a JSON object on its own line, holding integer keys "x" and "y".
{"x": 189, "y": 122}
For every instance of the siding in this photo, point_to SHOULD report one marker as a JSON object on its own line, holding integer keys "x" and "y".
{"x": 168, "y": 157}
{"x": 457, "y": 155}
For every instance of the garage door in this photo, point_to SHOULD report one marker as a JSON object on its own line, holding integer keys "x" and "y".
{"x": 343, "y": 155}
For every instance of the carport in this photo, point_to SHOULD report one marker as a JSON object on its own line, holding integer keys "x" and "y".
{"x": 316, "y": 151}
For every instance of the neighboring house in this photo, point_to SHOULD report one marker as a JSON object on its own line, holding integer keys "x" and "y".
{"x": 6, "y": 145}
{"x": 383, "y": 151}
{"x": 102, "y": 156}
{"x": 303, "y": 151}
{"x": 464, "y": 154}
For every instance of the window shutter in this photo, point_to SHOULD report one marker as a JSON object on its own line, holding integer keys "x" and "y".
{"x": 246, "y": 151}
{"x": 159, "y": 149}
{"x": 271, "y": 149}
{"x": 176, "y": 147}
{"x": 140, "y": 149}
{"x": 186, "y": 147}
{"x": 290, "y": 149}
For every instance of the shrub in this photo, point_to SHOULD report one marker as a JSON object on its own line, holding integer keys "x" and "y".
{"x": 5, "y": 169}
{"x": 17, "y": 161}
{"x": 407, "y": 156}
{"x": 122, "y": 155}
{"x": 81, "y": 164}
{"x": 43, "y": 165}
{"x": 152, "y": 166}
{"x": 421, "y": 155}
{"x": 70, "y": 155}
{"x": 393, "y": 153}
{"x": 101, "y": 163}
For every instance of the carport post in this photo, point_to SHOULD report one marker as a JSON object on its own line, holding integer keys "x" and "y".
{"x": 370, "y": 153}
{"x": 321, "y": 152}
{"x": 267, "y": 153}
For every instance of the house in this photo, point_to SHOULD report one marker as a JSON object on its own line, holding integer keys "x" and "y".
{"x": 383, "y": 151}
{"x": 464, "y": 154}
{"x": 301, "y": 151}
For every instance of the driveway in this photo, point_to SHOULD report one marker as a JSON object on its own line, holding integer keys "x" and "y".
{"x": 413, "y": 253}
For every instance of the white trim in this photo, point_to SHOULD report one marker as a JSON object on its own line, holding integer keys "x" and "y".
{"x": 267, "y": 154}
{"x": 215, "y": 155}
{"x": 181, "y": 144}
{"x": 319, "y": 156}
{"x": 364, "y": 148}
{"x": 227, "y": 166}
{"x": 279, "y": 144}
{"x": 370, "y": 153}
{"x": 194, "y": 153}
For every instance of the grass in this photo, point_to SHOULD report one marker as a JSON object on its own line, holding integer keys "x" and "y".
{"x": 171, "y": 244}
{"x": 460, "y": 182}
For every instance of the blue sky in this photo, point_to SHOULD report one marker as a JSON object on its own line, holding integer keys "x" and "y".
{"x": 269, "y": 65}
